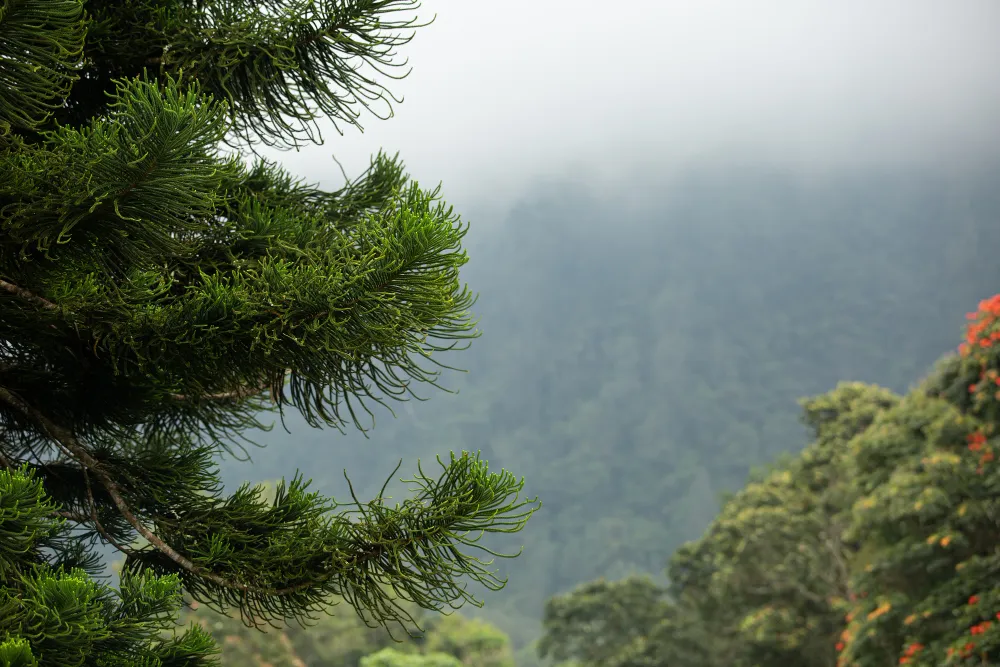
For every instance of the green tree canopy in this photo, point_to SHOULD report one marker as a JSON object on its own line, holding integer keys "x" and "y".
{"x": 389, "y": 657}
{"x": 156, "y": 297}
{"x": 345, "y": 640}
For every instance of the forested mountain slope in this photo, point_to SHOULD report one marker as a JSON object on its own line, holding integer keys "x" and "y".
{"x": 637, "y": 360}
{"x": 876, "y": 545}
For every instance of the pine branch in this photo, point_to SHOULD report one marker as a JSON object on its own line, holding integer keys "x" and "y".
{"x": 27, "y": 295}
{"x": 235, "y": 394}
{"x": 275, "y": 68}
{"x": 72, "y": 516}
{"x": 379, "y": 542}
{"x": 68, "y": 442}
{"x": 93, "y": 515}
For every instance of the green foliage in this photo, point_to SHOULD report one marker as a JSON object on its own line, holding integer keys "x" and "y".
{"x": 51, "y": 609}
{"x": 348, "y": 641}
{"x": 391, "y": 658}
{"x": 600, "y": 621}
{"x": 931, "y": 596}
{"x": 472, "y": 641}
{"x": 157, "y": 300}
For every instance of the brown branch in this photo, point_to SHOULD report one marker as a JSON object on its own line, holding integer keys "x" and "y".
{"x": 242, "y": 392}
{"x": 6, "y": 462}
{"x": 97, "y": 523}
{"x": 72, "y": 516}
{"x": 26, "y": 295}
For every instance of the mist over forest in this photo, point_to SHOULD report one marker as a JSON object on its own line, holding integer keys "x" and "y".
{"x": 638, "y": 358}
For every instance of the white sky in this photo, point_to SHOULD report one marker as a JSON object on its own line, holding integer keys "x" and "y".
{"x": 504, "y": 93}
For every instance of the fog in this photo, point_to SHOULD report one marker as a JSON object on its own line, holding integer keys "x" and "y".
{"x": 501, "y": 96}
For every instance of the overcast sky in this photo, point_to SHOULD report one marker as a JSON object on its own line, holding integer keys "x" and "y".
{"x": 502, "y": 94}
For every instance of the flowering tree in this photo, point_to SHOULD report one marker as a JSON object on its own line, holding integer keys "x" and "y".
{"x": 929, "y": 516}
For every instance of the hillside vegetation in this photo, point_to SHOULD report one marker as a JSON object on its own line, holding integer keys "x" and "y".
{"x": 638, "y": 360}
{"x": 879, "y": 544}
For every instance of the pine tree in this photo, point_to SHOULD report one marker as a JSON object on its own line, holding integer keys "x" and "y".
{"x": 156, "y": 298}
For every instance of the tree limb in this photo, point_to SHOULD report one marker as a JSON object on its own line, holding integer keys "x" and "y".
{"x": 27, "y": 295}
{"x": 242, "y": 392}
{"x": 97, "y": 522}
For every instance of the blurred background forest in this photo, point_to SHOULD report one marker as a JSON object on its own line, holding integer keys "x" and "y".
{"x": 640, "y": 355}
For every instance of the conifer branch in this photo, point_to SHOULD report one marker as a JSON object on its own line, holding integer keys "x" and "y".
{"x": 27, "y": 295}
{"x": 240, "y": 393}
{"x": 72, "y": 516}
{"x": 68, "y": 442}
{"x": 97, "y": 523}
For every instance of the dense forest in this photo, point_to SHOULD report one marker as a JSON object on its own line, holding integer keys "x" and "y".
{"x": 640, "y": 358}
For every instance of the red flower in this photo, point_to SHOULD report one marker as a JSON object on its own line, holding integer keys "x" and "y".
{"x": 976, "y": 441}
{"x": 981, "y": 628}
{"x": 974, "y": 599}
{"x": 839, "y": 646}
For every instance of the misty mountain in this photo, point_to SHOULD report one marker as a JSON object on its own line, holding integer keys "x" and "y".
{"x": 641, "y": 354}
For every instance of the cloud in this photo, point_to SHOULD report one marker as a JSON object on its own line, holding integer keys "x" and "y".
{"x": 502, "y": 94}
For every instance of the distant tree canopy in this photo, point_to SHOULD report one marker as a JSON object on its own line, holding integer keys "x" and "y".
{"x": 346, "y": 640}
{"x": 878, "y": 545}
{"x": 157, "y": 299}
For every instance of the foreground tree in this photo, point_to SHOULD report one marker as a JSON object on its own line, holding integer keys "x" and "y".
{"x": 155, "y": 298}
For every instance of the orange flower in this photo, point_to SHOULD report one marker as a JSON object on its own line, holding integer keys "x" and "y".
{"x": 976, "y": 441}
{"x": 882, "y": 609}
{"x": 980, "y": 628}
